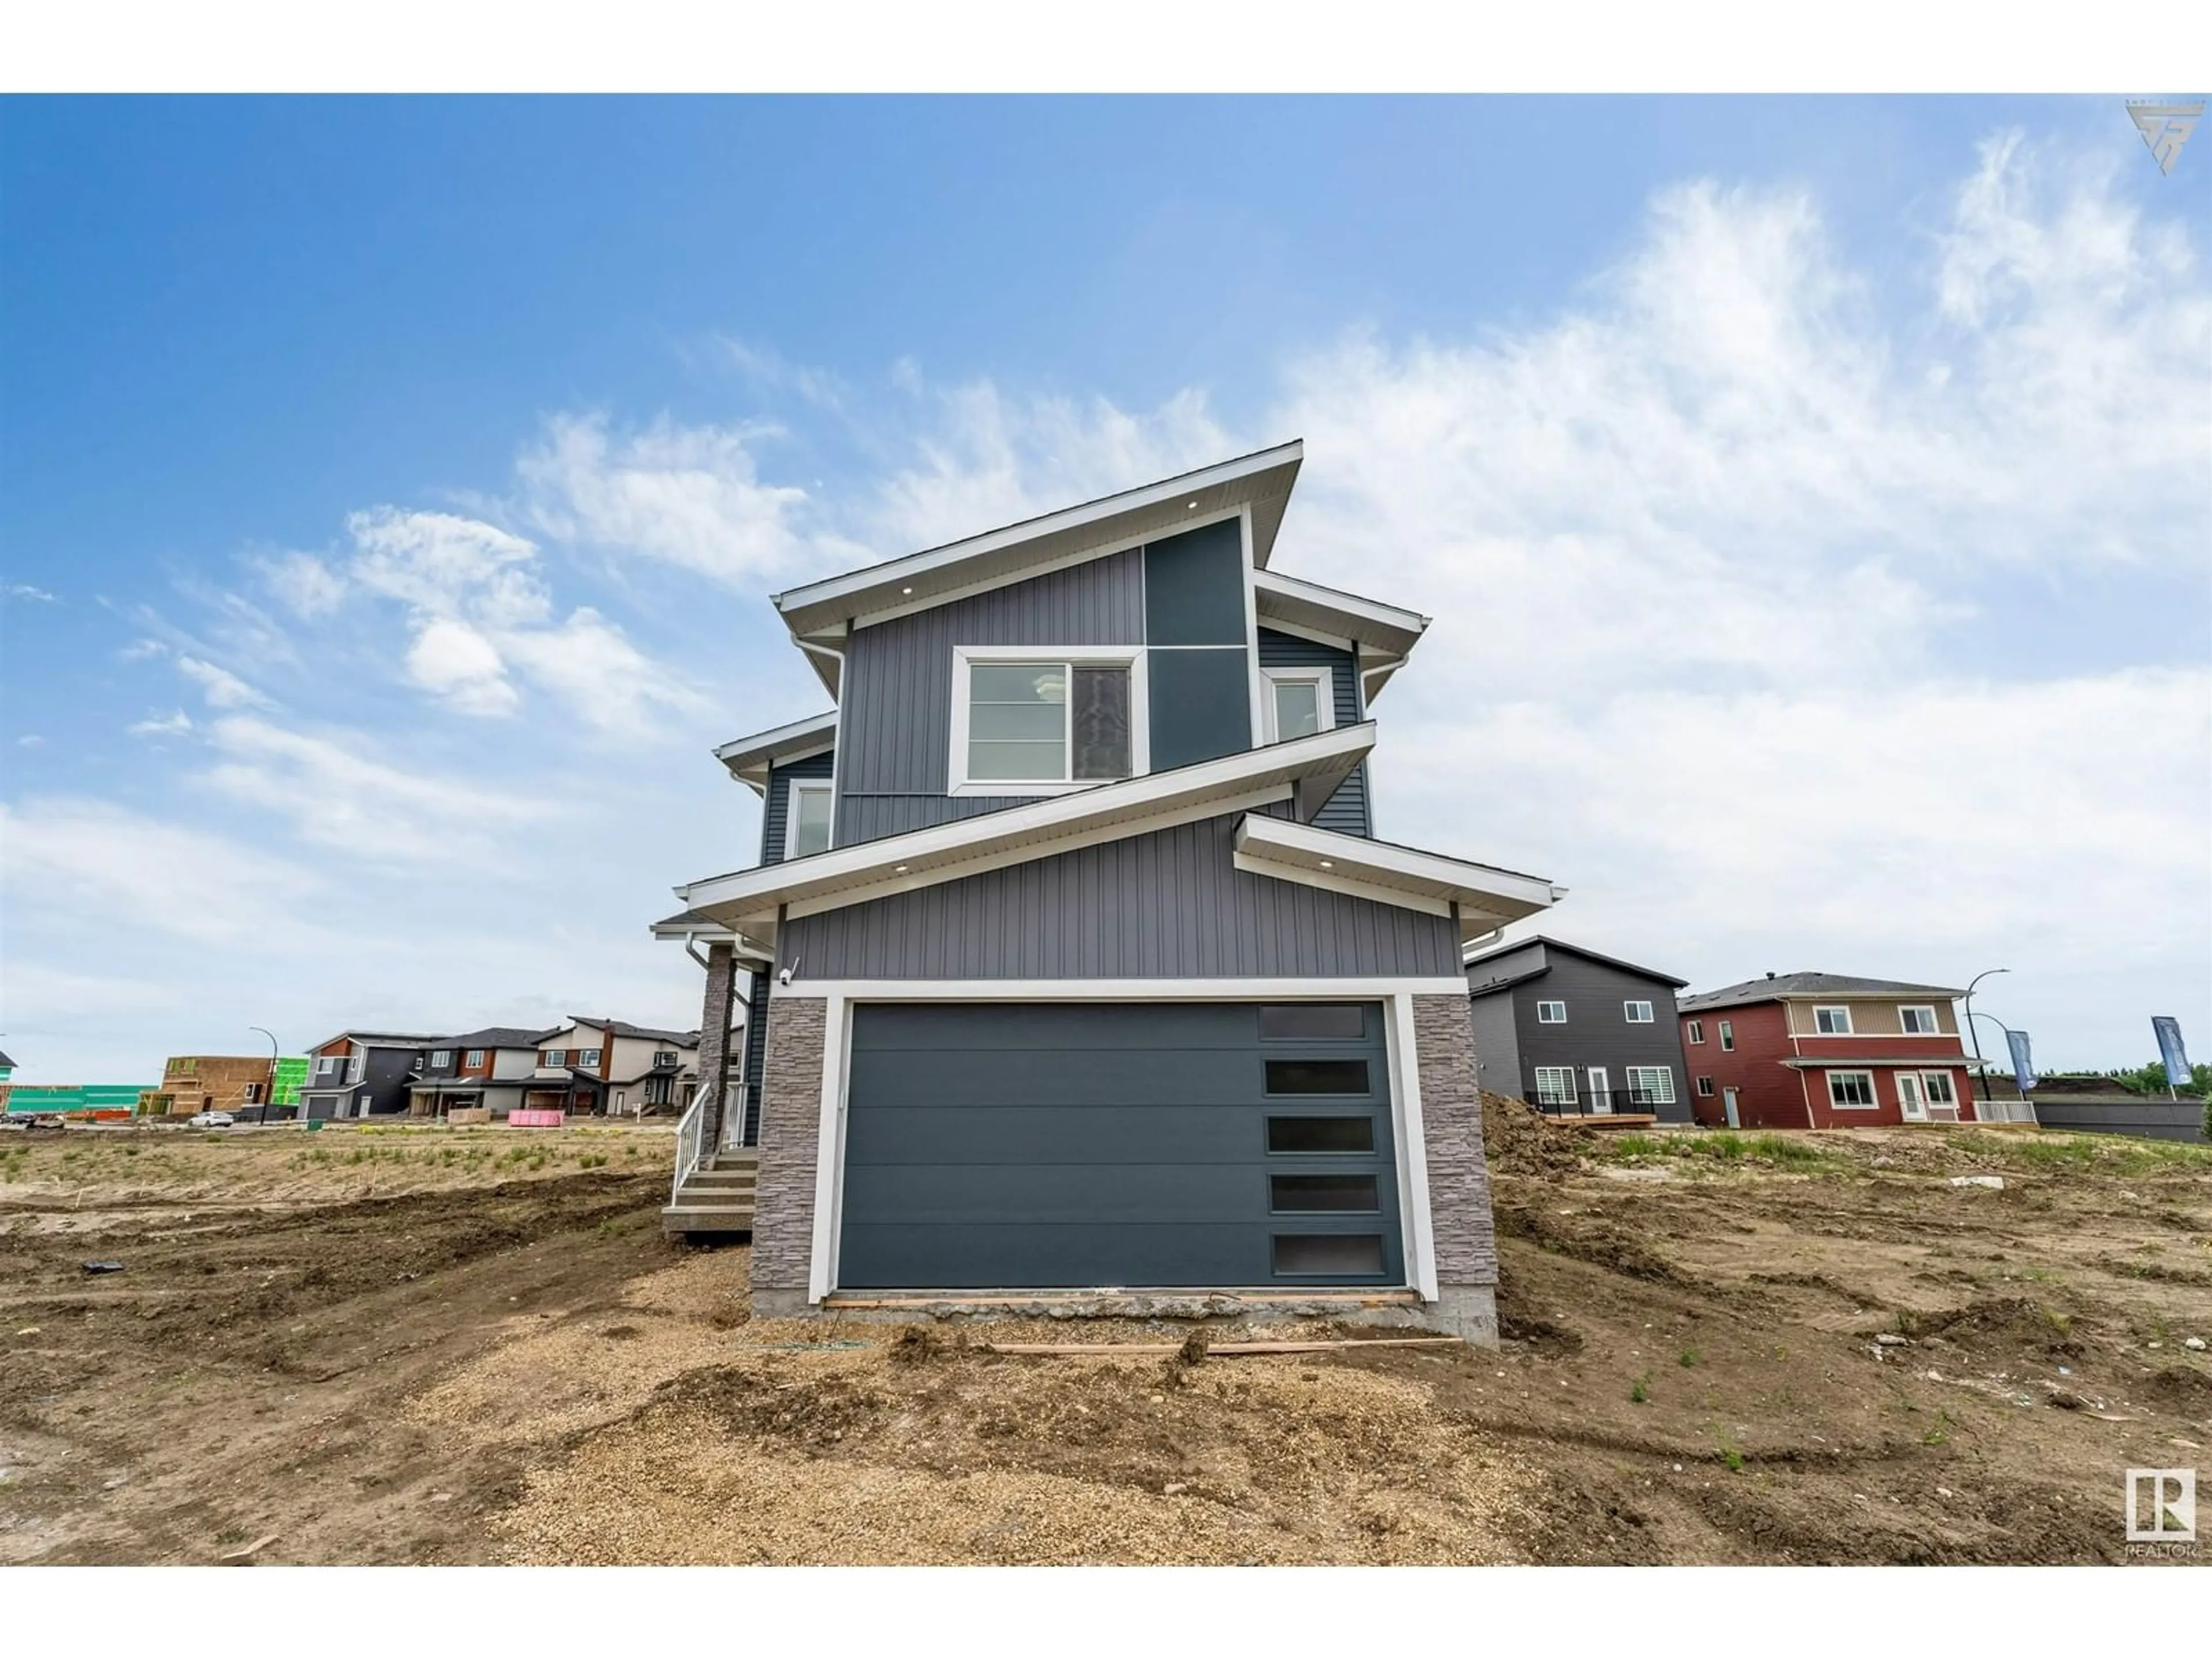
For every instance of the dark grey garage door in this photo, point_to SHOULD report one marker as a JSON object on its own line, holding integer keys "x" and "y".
{"x": 1070, "y": 1145}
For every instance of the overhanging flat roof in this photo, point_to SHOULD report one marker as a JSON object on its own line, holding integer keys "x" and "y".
{"x": 1381, "y": 635}
{"x": 1305, "y": 770}
{"x": 1261, "y": 482}
{"x": 750, "y": 758}
{"x": 1487, "y": 898}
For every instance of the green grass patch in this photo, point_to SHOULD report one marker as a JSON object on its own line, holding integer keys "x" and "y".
{"x": 1639, "y": 1391}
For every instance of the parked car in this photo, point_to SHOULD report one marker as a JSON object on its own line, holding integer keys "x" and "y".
{"x": 212, "y": 1120}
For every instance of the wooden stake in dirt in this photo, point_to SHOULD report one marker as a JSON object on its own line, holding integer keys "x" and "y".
{"x": 1148, "y": 1348}
{"x": 244, "y": 1558}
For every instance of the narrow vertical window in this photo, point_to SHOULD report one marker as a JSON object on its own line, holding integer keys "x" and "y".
{"x": 807, "y": 829}
{"x": 1099, "y": 723}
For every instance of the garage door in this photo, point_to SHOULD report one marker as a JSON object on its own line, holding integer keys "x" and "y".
{"x": 1072, "y": 1145}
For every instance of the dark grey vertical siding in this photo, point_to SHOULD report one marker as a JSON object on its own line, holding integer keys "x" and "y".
{"x": 775, "y": 806}
{"x": 1165, "y": 905}
{"x": 1346, "y": 810}
{"x": 898, "y": 686}
{"x": 1497, "y": 1052}
{"x": 756, "y": 1016}
{"x": 1597, "y": 1031}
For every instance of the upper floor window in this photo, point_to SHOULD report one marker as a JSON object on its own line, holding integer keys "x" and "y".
{"x": 440, "y": 1057}
{"x": 325, "y": 1065}
{"x": 587, "y": 1058}
{"x": 475, "y": 1058}
{"x": 1551, "y": 1013}
{"x": 554, "y": 1057}
{"x": 1038, "y": 724}
{"x": 1300, "y": 703}
{"x": 807, "y": 819}
{"x": 664, "y": 1060}
{"x": 1918, "y": 1022}
{"x": 1637, "y": 1013}
{"x": 1695, "y": 1031}
{"x": 1727, "y": 1037}
{"x": 1832, "y": 1022}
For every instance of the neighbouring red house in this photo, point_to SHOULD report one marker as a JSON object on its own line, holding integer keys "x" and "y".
{"x": 1824, "y": 1051}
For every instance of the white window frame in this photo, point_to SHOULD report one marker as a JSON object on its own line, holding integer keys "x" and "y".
{"x": 1543, "y": 1018}
{"x": 1873, "y": 1101}
{"x": 1905, "y": 1009}
{"x": 440, "y": 1057}
{"x": 552, "y": 1059}
{"x": 1556, "y": 1085}
{"x": 587, "y": 1058}
{"x": 474, "y": 1057}
{"x": 1944, "y": 1079}
{"x": 1727, "y": 1037}
{"x": 1695, "y": 1031}
{"x": 1129, "y": 657}
{"x": 793, "y": 790}
{"x": 1839, "y": 1008}
{"x": 1320, "y": 678}
{"x": 1628, "y": 1007}
{"x": 325, "y": 1064}
{"x": 1658, "y": 1084}
{"x": 1705, "y": 1088}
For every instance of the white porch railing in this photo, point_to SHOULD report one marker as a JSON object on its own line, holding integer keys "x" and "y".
{"x": 689, "y": 1132}
{"x": 733, "y": 1117}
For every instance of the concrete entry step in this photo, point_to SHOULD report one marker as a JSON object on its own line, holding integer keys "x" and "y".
{"x": 688, "y": 1215}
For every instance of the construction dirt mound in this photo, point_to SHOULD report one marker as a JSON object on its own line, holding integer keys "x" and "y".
{"x": 1519, "y": 1142}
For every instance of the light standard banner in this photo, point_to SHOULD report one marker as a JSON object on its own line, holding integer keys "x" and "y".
{"x": 2023, "y": 1067}
{"x": 2168, "y": 1029}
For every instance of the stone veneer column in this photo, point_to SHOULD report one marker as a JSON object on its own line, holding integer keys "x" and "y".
{"x": 714, "y": 1039}
{"x": 1459, "y": 1174}
{"x": 790, "y": 1136}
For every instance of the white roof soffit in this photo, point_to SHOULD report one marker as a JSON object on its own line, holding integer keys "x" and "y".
{"x": 1487, "y": 898}
{"x": 1262, "y": 482}
{"x": 749, "y": 759}
{"x": 1306, "y": 770}
{"x": 690, "y": 928}
{"x": 1384, "y": 634}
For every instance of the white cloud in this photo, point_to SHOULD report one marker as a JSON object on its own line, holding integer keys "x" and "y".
{"x": 338, "y": 797}
{"x": 30, "y": 740}
{"x": 111, "y": 868}
{"x": 691, "y": 496}
{"x": 463, "y": 667}
{"x": 307, "y": 585}
{"x": 176, "y": 724}
{"x": 221, "y": 688}
{"x": 442, "y": 564}
{"x": 606, "y": 682}
{"x": 140, "y": 650}
{"x": 25, "y": 590}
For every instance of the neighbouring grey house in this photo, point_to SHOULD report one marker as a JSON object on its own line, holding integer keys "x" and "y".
{"x": 362, "y": 1074}
{"x": 1075, "y": 970}
{"x": 1575, "y": 1033}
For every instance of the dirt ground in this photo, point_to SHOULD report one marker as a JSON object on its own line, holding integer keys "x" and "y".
{"x": 473, "y": 1346}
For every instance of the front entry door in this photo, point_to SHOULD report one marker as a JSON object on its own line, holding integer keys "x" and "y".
{"x": 1727, "y": 1105}
{"x": 1601, "y": 1097}
{"x": 1910, "y": 1098}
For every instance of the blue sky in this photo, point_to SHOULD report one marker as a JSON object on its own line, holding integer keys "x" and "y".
{"x": 1811, "y": 494}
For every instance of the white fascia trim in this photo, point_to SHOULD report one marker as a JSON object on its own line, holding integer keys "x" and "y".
{"x": 1328, "y": 881}
{"x": 1122, "y": 990}
{"x": 1293, "y": 851}
{"x": 1042, "y": 825}
{"x": 1383, "y": 622}
{"x": 771, "y": 744}
{"x": 1072, "y": 517}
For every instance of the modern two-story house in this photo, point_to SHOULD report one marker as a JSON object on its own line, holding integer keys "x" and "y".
{"x": 1826, "y": 1051}
{"x": 477, "y": 1071}
{"x": 1577, "y": 1034}
{"x": 1075, "y": 970}
{"x": 362, "y": 1074}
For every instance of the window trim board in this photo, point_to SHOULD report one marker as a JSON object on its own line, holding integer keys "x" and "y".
{"x": 1131, "y": 658}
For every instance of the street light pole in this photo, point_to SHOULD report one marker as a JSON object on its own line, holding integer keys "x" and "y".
{"x": 270, "y": 1094}
{"x": 1981, "y": 1067}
